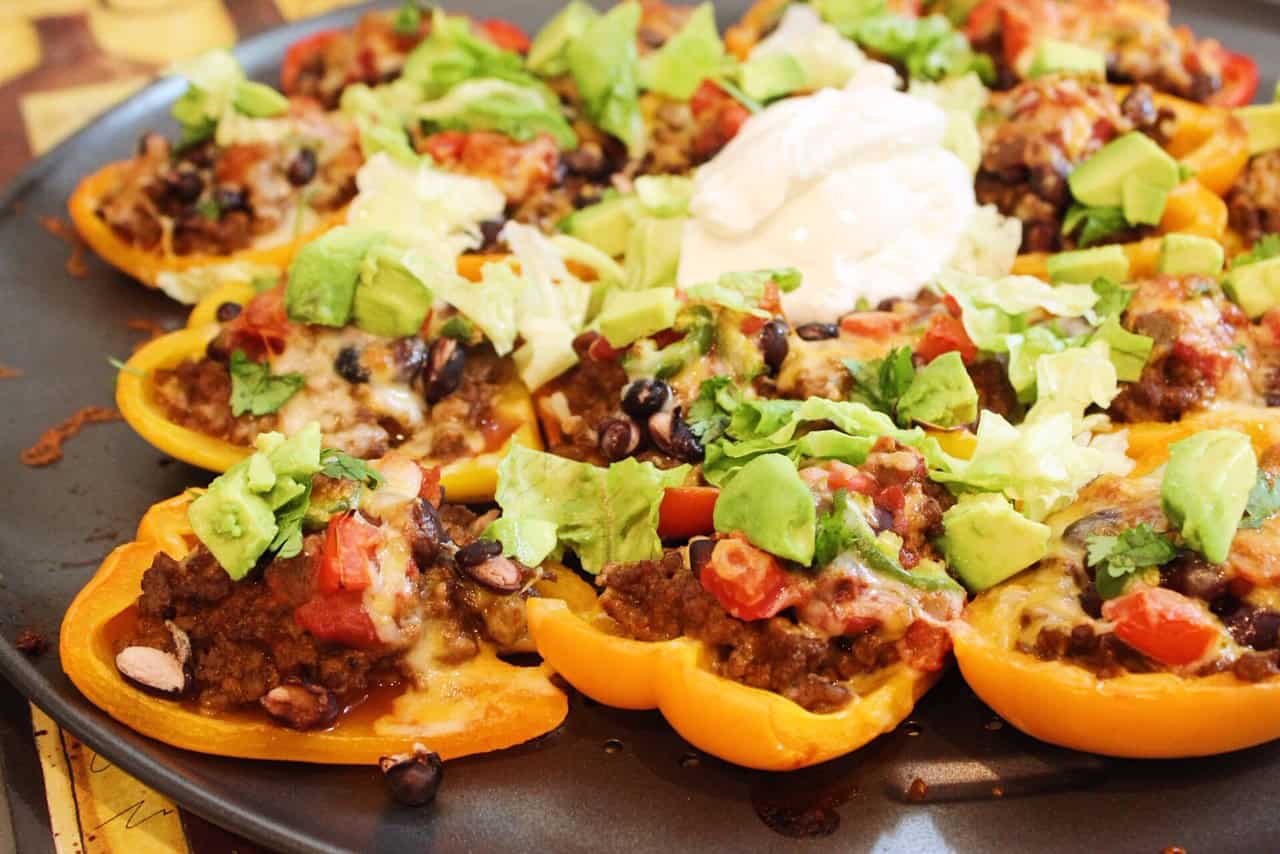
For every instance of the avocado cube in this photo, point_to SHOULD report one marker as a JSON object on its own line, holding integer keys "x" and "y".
{"x": 1263, "y": 125}
{"x": 1059, "y": 57}
{"x": 987, "y": 541}
{"x": 1255, "y": 287}
{"x": 324, "y": 274}
{"x": 1188, "y": 254}
{"x": 1084, "y": 265}
{"x": 630, "y": 315}
{"x": 1100, "y": 180}
{"x": 390, "y": 300}
{"x": 1143, "y": 201}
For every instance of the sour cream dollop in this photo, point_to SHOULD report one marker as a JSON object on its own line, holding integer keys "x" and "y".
{"x": 851, "y": 186}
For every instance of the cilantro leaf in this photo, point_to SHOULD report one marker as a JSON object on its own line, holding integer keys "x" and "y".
{"x": 1264, "y": 501}
{"x": 1267, "y": 247}
{"x": 289, "y": 518}
{"x": 255, "y": 389}
{"x": 408, "y": 18}
{"x": 833, "y": 535}
{"x": 1117, "y": 558}
{"x": 879, "y": 383}
{"x": 1093, "y": 224}
{"x": 340, "y": 465}
{"x": 709, "y": 415}
{"x": 1113, "y": 298}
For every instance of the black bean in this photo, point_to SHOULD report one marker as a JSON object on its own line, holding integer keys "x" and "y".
{"x": 184, "y": 185}
{"x": 619, "y": 438}
{"x": 644, "y": 397}
{"x": 489, "y": 231}
{"x": 349, "y": 366}
{"x": 773, "y": 344}
{"x": 1139, "y": 107}
{"x": 1255, "y": 627}
{"x": 499, "y": 574}
{"x": 302, "y": 167}
{"x": 588, "y": 160}
{"x": 154, "y": 671}
{"x": 217, "y": 350}
{"x": 817, "y": 331}
{"x": 413, "y": 778}
{"x": 229, "y": 198}
{"x": 443, "y": 373}
{"x": 427, "y": 534}
{"x": 1102, "y": 522}
{"x": 410, "y": 357}
{"x": 301, "y": 705}
{"x": 1091, "y": 601}
{"x": 228, "y": 311}
{"x": 700, "y": 554}
{"x": 1195, "y": 578}
{"x": 477, "y": 553}
{"x": 672, "y": 435}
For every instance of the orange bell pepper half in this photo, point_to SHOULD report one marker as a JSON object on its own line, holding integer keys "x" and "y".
{"x": 480, "y": 705}
{"x": 1150, "y": 715}
{"x": 466, "y": 479}
{"x": 740, "y": 724}
{"x": 146, "y": 265}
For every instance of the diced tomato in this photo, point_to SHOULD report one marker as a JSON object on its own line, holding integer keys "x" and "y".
{"x": 953, "y": 305}
{"x": 844, "y": 476}
{"x": 446, "y": 146}
{"x": 871, "y": 324}
{"x": 262, "y": 326}
{"x": 338, "y": 618}
{"x": 1162, "y": 624}
{"x": 1210, "y": 364}
{"x": 1239, "y": 81}
{"x": 892, "y": 498}
{"x": 771, "y": 299}
{"x": 925, "y": 646}
{"x": 300, "y": 54}
{"x": 732, "y": 116}
{"x": 706, "y": 98}
{"x": 505, "y": 35}
{"x": 944, "y": 335}
{"x": 751, "y": 324}
{"x": 347, "y": 559}
{"x": 431, "y": 491}
{"x": 904, "y": 8}
{"x": 687, "y": 511}
{"x": 602, "y": 351}
{"x": 749, "y": 583}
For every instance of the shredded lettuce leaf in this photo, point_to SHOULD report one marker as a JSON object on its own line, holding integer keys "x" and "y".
{"x": 602, "y": 515}
{"x": 692, "y": 55}
{"x": 993, "y": 309}
{"x": 521, "y": 111}
{"x": 548, "y": 53}
{"x": 603, "y": 62}
{"x": 454, "y": 53}
{"x": 1071, "y": 381}
{"x": 220, "y": 90}
{"x": 803, "y": 43}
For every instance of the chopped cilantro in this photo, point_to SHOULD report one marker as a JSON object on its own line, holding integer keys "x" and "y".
{"x": 1264, "y": 501}
{"x": 208, "y": 209}
{"x": 1113, "y": 298}
{"x": 337, "y": 464}
{"x": 709, "y": 415}
{"x": 1118, "y": 558}
{"x": 1267, "y": 247}
{"x": 879, "y": 383}
{"x": 833, "y": 535}
{"x": 1092, "y": 225}
{"x": 289, "y": 518}
{"x": 255, "y": 389}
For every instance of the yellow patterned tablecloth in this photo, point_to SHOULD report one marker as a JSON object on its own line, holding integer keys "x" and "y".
{"x": 62, "y": 62}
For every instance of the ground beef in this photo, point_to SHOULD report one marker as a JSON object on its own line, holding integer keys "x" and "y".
{"x": 591, "y": 390}
{"x": 197, "y": 395}
{"x": 1200, "y": 352}
{"x": 995, "y": 392}
{"x": 1046, "y": 128}
{"x": 661, "y": 600}
{"x": 471, "y": 406}
{"x": 244, "y": 638}
{"x": 1102, "y": 654}
{"x": 371, "y": 52}
{"x": 1254, "y": 199}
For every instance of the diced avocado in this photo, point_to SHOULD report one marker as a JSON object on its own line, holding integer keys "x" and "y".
{"x": 1100, "y": 180}
{"x": 769, "y": 503}
{"x": 942, "y": 394}
{"x": 1255, "y": 287}
{"x": 1143, "y": 201}
{"x": 1263, "y": 124}
{"x": 664, "y": 195}
{"x": 767, "y": 77}
{"x": 233, "y": 521}
{"x": 260, "y": 477}
{"x": 987, "y": 541}
{"x": 285, "y": 490}
{"x": 258, "y": 100}
{"x": 1084, "y": 265}
{"x": 653, "y": 251}
{"x": 296, "y": 456}
{"x": 1206, "y": 488}
{"x": 1058, "y": 57}
{"x": 1187, "y": 254}
{"x": 739, "y": 351}
{"x": 390, "y": 301}
{"x": 630, "y": 315}
{"x": 1127, "y": 350}
{"x": 606, "y": 225}
{"x": 324, "y": 274}
{"x": 546, "y": 54}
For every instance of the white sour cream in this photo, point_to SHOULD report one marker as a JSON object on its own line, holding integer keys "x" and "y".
{"x": 852, "y": 187}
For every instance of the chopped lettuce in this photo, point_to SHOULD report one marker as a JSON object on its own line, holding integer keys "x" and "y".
{"x": 664, "y": 195}
{"x": 930, "y": 48}
{"x": 219, "y": 89}
{"x": 553, "y": 308}
{"x": 424, "y": 206}
{"x": 653, "y": 251}
{"x": 742, "y": 292}
{"x": 602, "y": 515}
{"x": 803, "y": 53}
{"x": 521, "y": 111}
{"x": 847, "y": 15}
{"x": 1038, "y": 465}
{"x": 490, "y": 304}
{"x": 692, "y": 55}
{"x": 1025, "y": 350}
{"x": 382, "y": 115}
{"x": 1071, "y": 381}
{"x": 603, "y": 62}
{"x": 1128, "y": 351}
{"x": 941, "y": 394}
{"x": 454, "y": 53}
{"x": 994, "y": 309}
{"x": 548, "y": 53}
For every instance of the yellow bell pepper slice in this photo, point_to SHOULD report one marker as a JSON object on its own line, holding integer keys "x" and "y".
{"x": 467, "y": 479}
{"x": 1150, "y": 715}
{"x": 738, "y": 723}
{"x": 480, "y": 705}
